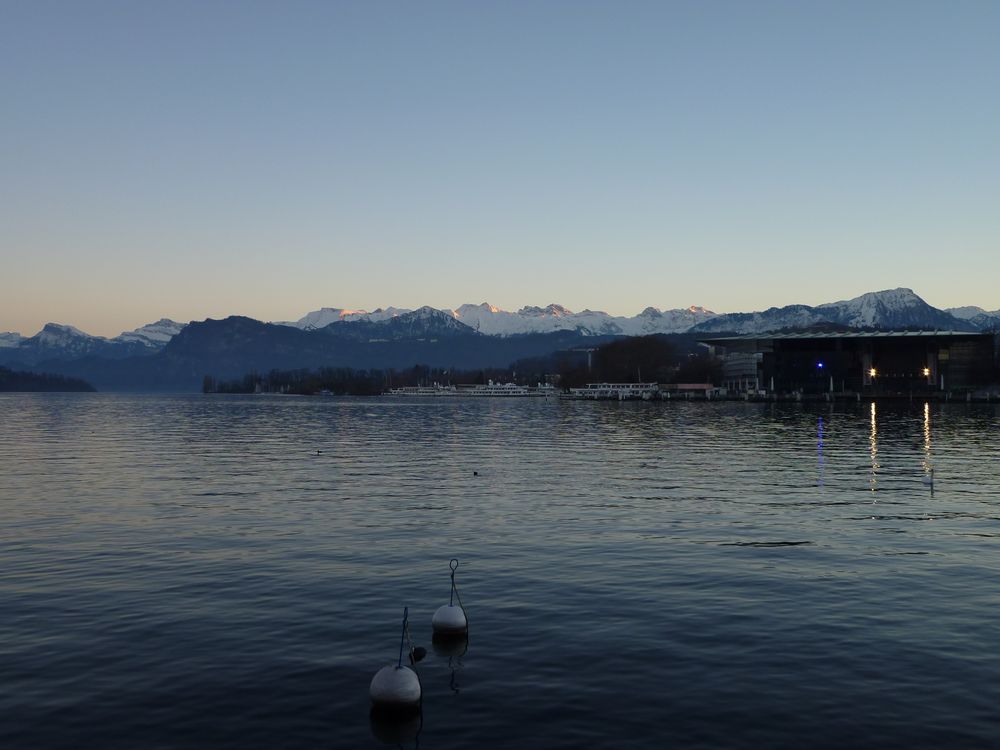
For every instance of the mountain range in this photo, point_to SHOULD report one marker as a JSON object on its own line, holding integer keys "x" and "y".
{"x": 57, "y": 341}
{"x": 892, "y": 308}
{"x": 172, "y": 355}
{"x": 492, "y": 321}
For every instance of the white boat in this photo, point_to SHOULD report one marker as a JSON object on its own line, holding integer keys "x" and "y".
{"x": 491, "y": 389}
{"x": 424, "y": 390}
{"x": 616, "y": 391}
{"x": 502, "y": 390}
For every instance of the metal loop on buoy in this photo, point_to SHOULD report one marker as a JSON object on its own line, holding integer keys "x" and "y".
{"x": 454, "y": 566}
{"x": 451, "y": 620}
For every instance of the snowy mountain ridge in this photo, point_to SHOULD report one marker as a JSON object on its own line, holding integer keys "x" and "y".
{"x": 10, "y": 340}
{"x": 153, "y": 335}
{"x": 494, "y": 321}
{"x": 984, "y": 320}
{"x": 887, "y": 309}
{"x": 890, "y": 308}
{"x": 61, "y": 341}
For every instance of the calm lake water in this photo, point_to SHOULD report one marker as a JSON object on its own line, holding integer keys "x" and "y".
{"x": 188, "y": 571}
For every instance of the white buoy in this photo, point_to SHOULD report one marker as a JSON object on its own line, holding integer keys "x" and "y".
{"x": 395, "y": 687}
{"x": 450, "y": 619}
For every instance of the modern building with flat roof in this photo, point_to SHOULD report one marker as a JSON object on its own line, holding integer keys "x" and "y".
{"x": 875, "y": 362}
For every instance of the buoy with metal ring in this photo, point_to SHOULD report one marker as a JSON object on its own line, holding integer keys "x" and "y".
{"x": 396, "y": 686}
{"x": 450, "y": 619}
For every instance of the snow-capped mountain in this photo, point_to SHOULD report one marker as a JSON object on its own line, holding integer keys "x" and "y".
{"x": 652, "y": 320}
{"x": 987, "y": 321}
{"x": 424, "y": 322}
{"x": 889, "y": 309}
{"x": 772, "y": 319}
{"x": 892, "y": 308}
{"x": 152, "y": 335}
{"x": 984, "y": 320}
{"x": 64, "y": 339}
{"x": 966, "y": 313}
{"x": 57, "y": 341}
{"x": 326, "y": 315}
{"x": 9, "y": 340}
{"x": 493, "y": 321}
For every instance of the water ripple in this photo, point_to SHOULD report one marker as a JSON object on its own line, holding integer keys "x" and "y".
{"x": 229, "y": 571}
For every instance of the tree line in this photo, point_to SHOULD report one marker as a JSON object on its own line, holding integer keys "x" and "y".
{"x": 655, "y": 358}
{"x": 39, "y": 382}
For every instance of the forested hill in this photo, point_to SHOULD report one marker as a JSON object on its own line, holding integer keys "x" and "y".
{"x": 33, "y": 382}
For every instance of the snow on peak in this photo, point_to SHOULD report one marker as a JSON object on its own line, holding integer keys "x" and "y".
{"x": 61, "y": 329}
{"x": 531, "y": 319}
{"x": 969, "y": 312}
{"x": 430, "y": 312}
{"x": 380, "y": 313}
{"x": 553, "y": 310}
{"x": 10, "y": 339}
{"x": 468, "y": 309}
{"x": 56, "y": 336}
{"x": 894, "y": 299}
{"x": 888, "y": 309}
{"x": 326, "y": 315}
{"x": 153, "y": 335}
{"x": 495, "y": 321}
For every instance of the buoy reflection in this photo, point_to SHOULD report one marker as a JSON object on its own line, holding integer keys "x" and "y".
{"x": 453, "y": 647}
{"x": 397, "y": 728}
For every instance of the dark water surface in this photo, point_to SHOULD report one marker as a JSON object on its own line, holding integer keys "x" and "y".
{"x": 190, "y": 572}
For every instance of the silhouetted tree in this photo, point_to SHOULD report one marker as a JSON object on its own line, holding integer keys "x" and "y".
{"x": 650, "y": 358}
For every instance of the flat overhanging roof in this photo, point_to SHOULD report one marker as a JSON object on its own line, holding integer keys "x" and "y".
{"x": 826, "y": 336}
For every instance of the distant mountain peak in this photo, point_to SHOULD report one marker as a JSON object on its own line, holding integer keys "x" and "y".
{"x": 899, "y": 297}
{"x": 970, "y": 312}
{"x": 152, "y": 335}
{"x": 10, "y": 339}
{"x": 898, "y": 308}
{"x": 65, "y": 330}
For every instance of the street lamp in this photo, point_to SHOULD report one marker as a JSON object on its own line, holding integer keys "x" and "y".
{"x": 872, "y": 373}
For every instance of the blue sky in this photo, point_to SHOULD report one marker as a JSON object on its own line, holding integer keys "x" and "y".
{"x": 196, "y": 159}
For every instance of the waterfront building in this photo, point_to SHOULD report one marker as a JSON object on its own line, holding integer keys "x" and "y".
{"x": 871, "y": 362}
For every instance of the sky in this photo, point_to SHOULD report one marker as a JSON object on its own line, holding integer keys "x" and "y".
{"x": 202, "y": 159}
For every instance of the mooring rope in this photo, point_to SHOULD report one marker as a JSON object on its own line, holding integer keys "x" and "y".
{"x": 455, "y": 592}
{"x": 405, "y": 638}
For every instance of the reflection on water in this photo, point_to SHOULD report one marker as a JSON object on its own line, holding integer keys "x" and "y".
{"x": 453, "y": 648}
{"x": 873, "y": 449}
{"x": 927, "y": 438}
{"x": 397, "y": 730}
{"x": 227, "y": 571}
{"x": 819, "y": 451}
